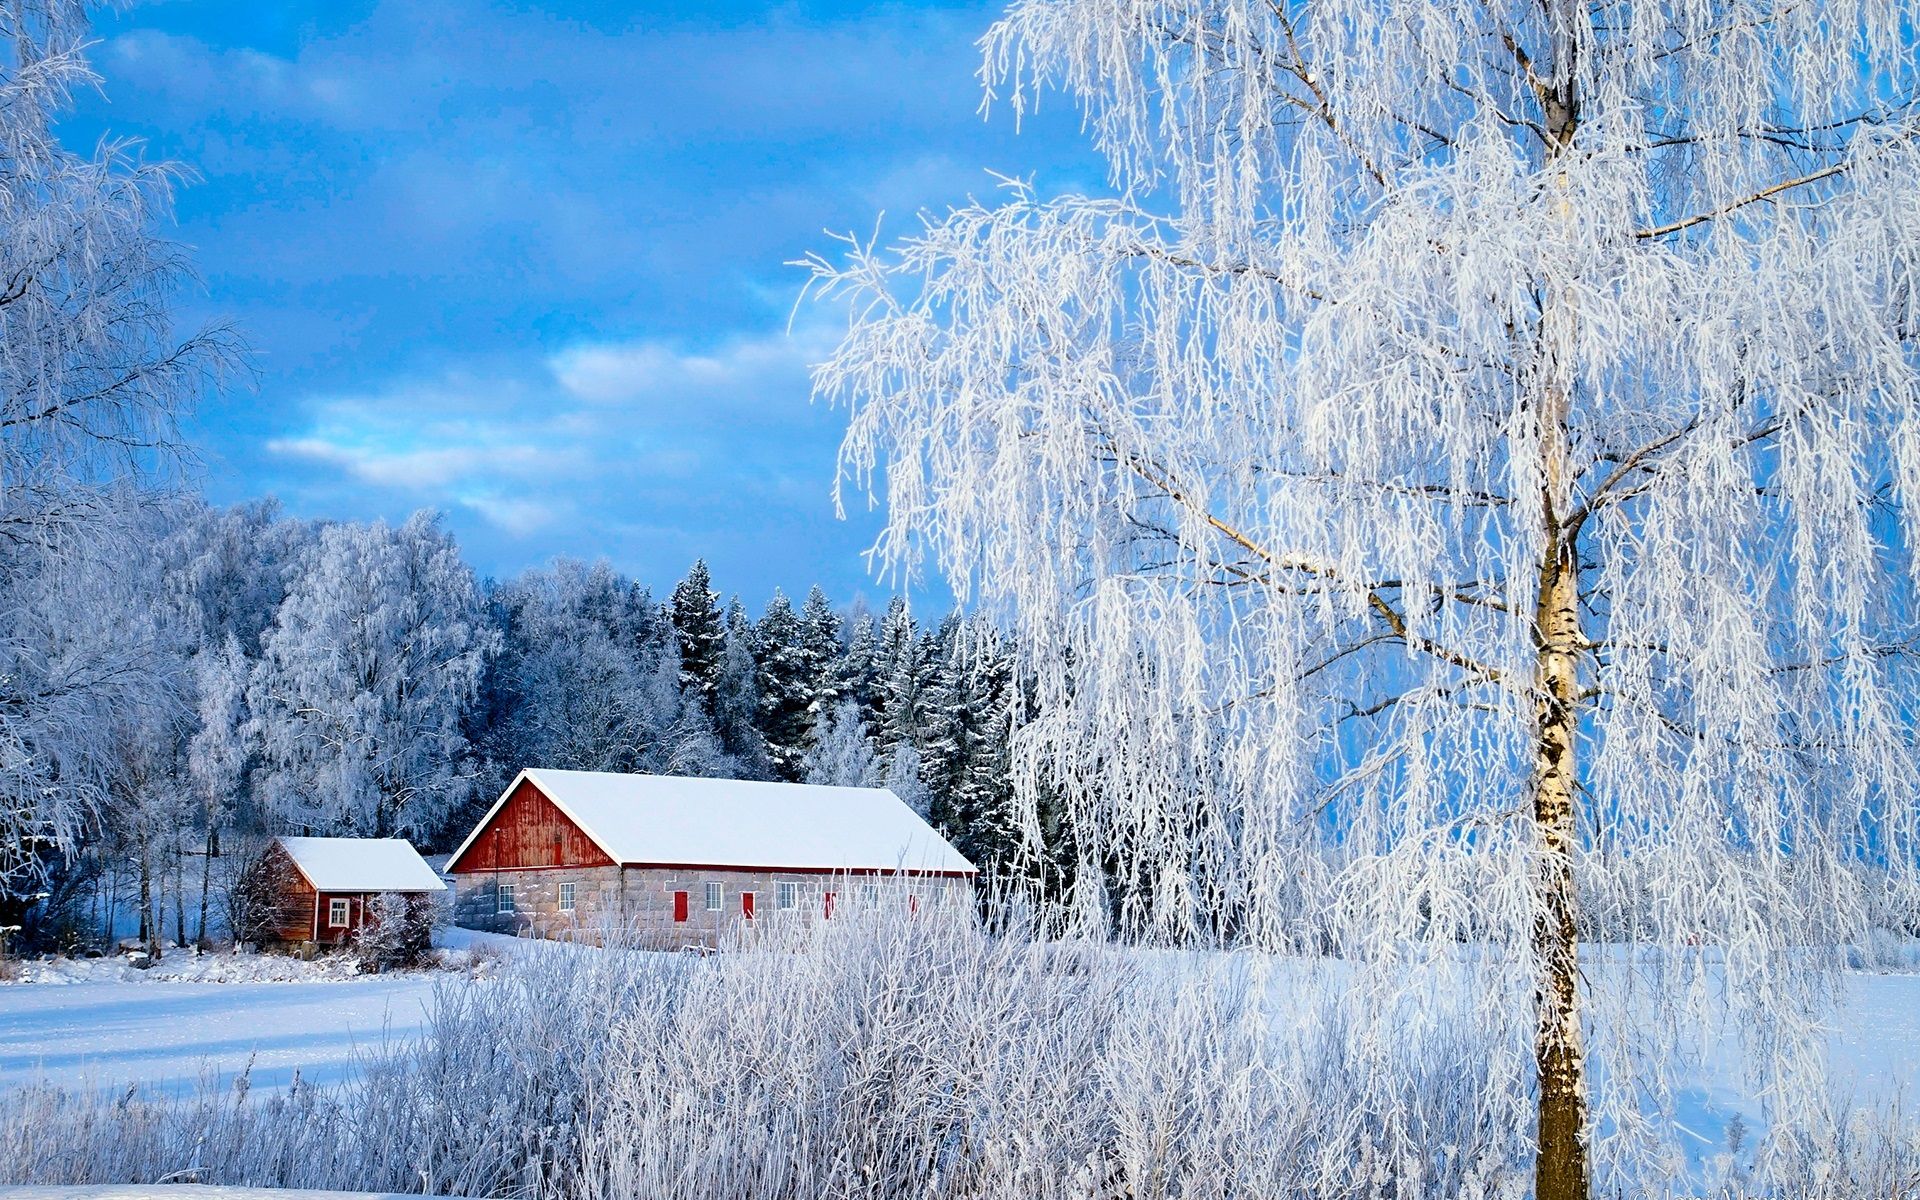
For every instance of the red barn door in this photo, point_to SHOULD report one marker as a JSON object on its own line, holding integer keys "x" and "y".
{"x": 679, "y": 906}
{"x": 746, "y": 905}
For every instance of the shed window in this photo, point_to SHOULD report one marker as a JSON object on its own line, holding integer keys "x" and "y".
{"x": 503, "y": 898}
{"x": 336, "y": 912}
{"x": 787, "y": 894}
{"x": 566, "y": 897}
{"x": 715, "y": 894}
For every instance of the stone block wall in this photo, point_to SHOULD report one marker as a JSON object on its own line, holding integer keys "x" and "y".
{"x": 640, "y": 900}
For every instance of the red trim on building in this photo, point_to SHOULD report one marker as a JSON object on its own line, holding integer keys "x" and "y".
{"x": 885, "y": 872}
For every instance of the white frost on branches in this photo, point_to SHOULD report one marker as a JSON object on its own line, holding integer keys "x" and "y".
{"x": 1262, "y": 454}
{"x": 372, "y": 657}
{"x": 91, "y": 382}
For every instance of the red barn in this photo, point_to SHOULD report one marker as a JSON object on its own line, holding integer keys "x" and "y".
{"x": 677, "y": 859}
{"x": 321, "y": 888}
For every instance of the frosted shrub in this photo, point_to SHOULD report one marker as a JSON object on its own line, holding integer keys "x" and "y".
{"x": 881, "y": 1056}
{"x": 399, "y": 932}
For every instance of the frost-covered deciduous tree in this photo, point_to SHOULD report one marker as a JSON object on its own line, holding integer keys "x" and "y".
{"x": 572, "y": 680}
{"x": 217, "y": 751}
{"x": 363, "y": 679}
{"x": 92, "y": 378}
{"x": 1456, "y": 488}
{"x": 842, "y": 753}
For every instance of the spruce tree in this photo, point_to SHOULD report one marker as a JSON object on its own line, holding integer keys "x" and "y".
{"x": 854, "y": 671}
{"x": 694, "y": 610}
{"x": 786, "y": 688}
{"x": 820, "y": 652}
{"x": 899, "y": 671}
{"x": 736, "y": 698}
{"x": 943, "y": 728}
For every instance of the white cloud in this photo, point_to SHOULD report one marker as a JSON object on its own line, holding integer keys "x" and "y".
{"x": 517, "y": 515}
{"x": 242, "y": 79}
{"x": 593, "y": 428}
{"x": 610, "y": 372}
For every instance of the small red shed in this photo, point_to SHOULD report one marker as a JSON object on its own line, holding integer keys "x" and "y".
{"x": 323, "y": 888}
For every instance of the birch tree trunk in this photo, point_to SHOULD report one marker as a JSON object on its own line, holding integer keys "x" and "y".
{"x": 1560, "y": 1169}
{"x": 206, "y": 874}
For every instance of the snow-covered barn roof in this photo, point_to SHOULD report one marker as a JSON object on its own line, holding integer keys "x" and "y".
{"x": 362, "y": 865}
{"x": 680, "y": 821}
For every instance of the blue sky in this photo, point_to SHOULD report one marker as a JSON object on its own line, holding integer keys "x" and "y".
{"x": 525, "y": 263}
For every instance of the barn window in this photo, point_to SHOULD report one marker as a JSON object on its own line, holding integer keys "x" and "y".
{"x": 503, "y": 898}
{"x": 715, "y": 894}
{"x": 336, "y": 912}
{"x": 870, "y": 895}
{"x": 566, "y": 897}
{"x": 787, "y": 894}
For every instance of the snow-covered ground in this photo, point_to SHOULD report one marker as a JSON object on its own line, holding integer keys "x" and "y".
{"x": 165, "y": 1035}
{"x": 181, "y": 1191}
{"x": 102, "y": 1023}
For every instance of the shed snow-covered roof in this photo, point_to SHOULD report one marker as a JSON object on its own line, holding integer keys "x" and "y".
{"x": 362, "y": 865}
{"x": 678, "y": 821}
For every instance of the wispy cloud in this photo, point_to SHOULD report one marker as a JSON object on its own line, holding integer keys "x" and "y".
{"x": 577, "y": 435}
{"x": 608, "y": 372}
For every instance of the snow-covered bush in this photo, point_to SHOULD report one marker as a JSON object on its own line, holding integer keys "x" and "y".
{"x": 398, "y": 931}
{"x": 878, "y": 1055}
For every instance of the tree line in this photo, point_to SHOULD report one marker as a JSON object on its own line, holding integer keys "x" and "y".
{"x": 229, "y": 673}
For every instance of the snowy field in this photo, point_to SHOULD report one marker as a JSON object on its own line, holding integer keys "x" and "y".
{"x": 166, "y": 1034}
{"x": 101, "y": 1023}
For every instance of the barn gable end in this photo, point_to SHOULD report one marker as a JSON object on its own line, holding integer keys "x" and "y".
{"x": 526, "y": 831}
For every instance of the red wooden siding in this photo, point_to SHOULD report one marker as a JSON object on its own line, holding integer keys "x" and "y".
{"x": 292, "y": 918}
{"x": 529, "y": 831}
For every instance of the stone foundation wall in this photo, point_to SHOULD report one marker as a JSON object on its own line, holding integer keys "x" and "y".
{"x": 640, "y": 900}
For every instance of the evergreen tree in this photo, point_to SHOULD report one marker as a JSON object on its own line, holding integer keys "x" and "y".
{"x": 986, "y": 827}
{"x": 854, "y": 671}
{"x": 900, "y": 671}
{"x": 694, "y": 611}
{"x": 943, "y": 725}
{"x": 736, "y": 705}
{"x": 786, "y": 688}
{"x": 820, "y": 652}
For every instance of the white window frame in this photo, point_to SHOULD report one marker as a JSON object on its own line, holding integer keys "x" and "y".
{"x": 568, "y": 897}
{"x": 716, "y": 894}
{"x": 503, "y": 899}
{"x": 339, "y": 912}
{"x": 786, "y": 895}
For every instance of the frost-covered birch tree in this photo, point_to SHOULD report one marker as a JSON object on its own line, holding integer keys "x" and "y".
{"x": 363, "y": 679}
{"x": 92, "y": 378}
{"x": 1454, "y": 489}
